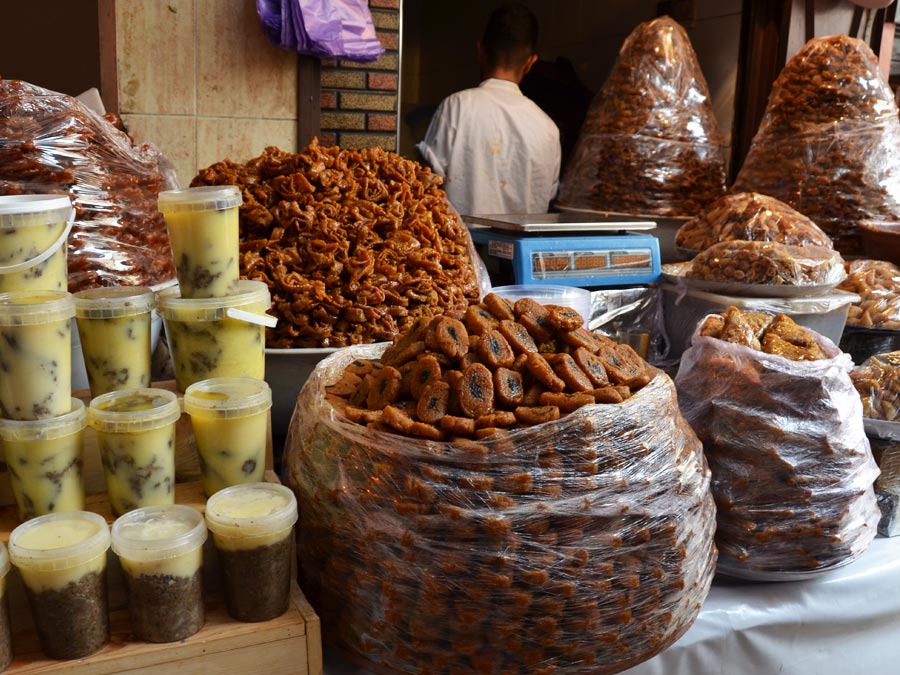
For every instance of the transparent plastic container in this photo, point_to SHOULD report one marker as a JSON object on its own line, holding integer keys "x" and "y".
{"x": 252, "y": 527}
{"x": 573, "y": 297}
{"x": 33, "y": 234}
{"x": 61, "y": 558}
{"x": 203, "y": 230}
{"x": 35, "y": 354}
{"x": 114, "y": 330}
{"x": 161, "y": 552}
{"x": 230, "y": 420}
{"x": 44, "y": 459}
{"x": 217, "y": 337}
{"x": 136, "y": 437}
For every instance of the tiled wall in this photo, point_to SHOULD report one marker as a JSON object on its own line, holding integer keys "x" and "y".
{"x": 198, "y": 79}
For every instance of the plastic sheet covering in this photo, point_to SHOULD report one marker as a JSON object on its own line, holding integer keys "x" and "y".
{"x": 878, "y": 285}
{"x": 829, "y": 143}
{"x": 792, "y": 468}
{"x": 842, "y": 622}
{"x": 684, "y": 308}
{"x": 633, "y": 316}
{"x": 767, "y": 262}
{"x": 52, "y": 143}
{"x": 577, "y": 546}
{"x": 749, "y": 216}
{"x": 650, "y": 143}
{"x": 878, "y": 383}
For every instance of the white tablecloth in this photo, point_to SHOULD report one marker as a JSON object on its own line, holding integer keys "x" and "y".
{"x": 847, "y": 621}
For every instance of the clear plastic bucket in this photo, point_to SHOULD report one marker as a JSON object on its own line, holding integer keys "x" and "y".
{"x": 61, "y": 558}
{"x": 203, "y": 231}
{"x": 36, "y": 354}
{"x": 114, "y": 332}
{"x": 230, "y": 420}
{"x": 161, "y": 551}
{"x": 136, "y": 436}
{"x": 34, "y": 230}
{"x": 252, "y": 527}
{"x": 44, "y": 459}
{"x": 217, "y": 337}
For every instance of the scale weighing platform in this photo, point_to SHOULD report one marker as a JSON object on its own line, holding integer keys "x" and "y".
{"x": 566, "y": 248}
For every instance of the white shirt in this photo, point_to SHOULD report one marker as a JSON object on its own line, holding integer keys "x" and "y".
{"x": 496, "y": 149}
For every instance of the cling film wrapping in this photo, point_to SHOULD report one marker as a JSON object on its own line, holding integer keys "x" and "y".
{"x": 52, "y": 143}
{"x": 749, "y": 216}
{"x": 650, "y": 143}
{"x": 829, "y": 142}
{"x": 583, "y": 545}
{"x": 792, "y": 470}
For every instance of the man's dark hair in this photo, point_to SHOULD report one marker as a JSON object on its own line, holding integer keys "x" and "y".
{"x": 510, "y": 36}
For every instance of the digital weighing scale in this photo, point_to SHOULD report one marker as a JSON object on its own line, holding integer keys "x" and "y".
{"x": 566, "y": 248}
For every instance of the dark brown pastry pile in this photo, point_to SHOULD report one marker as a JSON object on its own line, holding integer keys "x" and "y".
{"x": 496, "y": 367}
{"x": 650, "y": 143}
{"x": 749, "y": 216}
{"x": 355, "y": 245}
{"x": 829, "y": 143}
{"x": 52, "y": 143}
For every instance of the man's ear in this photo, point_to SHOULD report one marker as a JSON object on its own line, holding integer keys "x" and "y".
{"x": 530, "y": 62}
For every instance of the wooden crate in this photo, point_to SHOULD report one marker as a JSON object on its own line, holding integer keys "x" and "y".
{"x": 288, "y": 645}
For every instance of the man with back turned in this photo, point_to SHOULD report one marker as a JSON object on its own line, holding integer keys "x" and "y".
{"x": 498, "y": 152}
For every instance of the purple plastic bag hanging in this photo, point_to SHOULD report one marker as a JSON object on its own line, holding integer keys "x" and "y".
{"x": 323, "y": 28}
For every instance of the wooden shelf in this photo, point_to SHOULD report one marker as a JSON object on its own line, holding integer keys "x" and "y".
{"x": 288, "y": 645}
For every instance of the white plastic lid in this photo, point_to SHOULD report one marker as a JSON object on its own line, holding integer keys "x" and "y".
{"x": 45, "y": 429}
{"x": 251, "y": 510}
{"x": 26, "y": 210}
{"x": 110, "y": 302}
{"x": 158, "y": 532}
{"x": 206, "y": 198}
{"x": 132, "y": 410}
{"x": 58, "y": 541}
{"x": 249, "y": 294}
{"x": 24, "y": 308}
{"x": 228, "y": 397}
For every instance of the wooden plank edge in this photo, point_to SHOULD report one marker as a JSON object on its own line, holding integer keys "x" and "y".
{"x": 313, "y": 630}
{"x": 219, "y": 635}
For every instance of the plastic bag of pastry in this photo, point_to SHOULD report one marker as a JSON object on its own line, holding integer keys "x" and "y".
{"x": 829, "y": 143}
{"x": 767, "y": 263}
{"x": 354, "y": 245}
{"x": 469, "y": 504}
{"x": 748, "y": 216}
{"x": 51, "y": 142}
{"x": 873, "y": 323}
{"x": 782, "y": 429}
{"x": 878, "y": 383}
{"x": 650, "y": 143}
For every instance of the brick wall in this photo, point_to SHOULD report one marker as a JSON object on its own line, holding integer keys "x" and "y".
{"x": 359, "y": 100}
